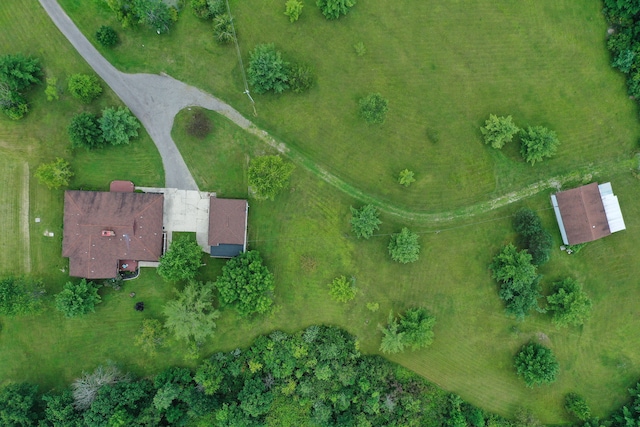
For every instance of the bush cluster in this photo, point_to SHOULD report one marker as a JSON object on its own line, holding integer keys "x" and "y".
{"x": 624, "y": 45}
{"x": 268, "y": 71}
{"x": 155, "y": 14}
{"x": 533, "y": 236}
{"x": 114, "y": 127}
{"x": 413, "y": 329}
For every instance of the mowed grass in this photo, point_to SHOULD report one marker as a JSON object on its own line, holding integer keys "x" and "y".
{"x": 444, "y": 66}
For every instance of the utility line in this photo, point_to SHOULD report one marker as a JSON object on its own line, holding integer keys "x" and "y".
{"x": 244, "y": 76}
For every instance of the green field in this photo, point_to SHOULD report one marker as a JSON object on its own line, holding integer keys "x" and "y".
{"x": 445, "y": 66}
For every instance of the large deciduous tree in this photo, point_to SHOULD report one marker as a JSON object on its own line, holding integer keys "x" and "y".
{"x": 19, "y": 405}
{"x": 536, "y": 364}
{"x": 537, "y": 143}
{"x": 181, "y": 261}
{"x": 84, "y": 87}
{"x": 118, "y": 126}
{"x": 152, "y": 336}
{"x": 267, "y": 70}
{"x": 268, "y": 175}
{"x": 77, "y": 299}
{"x": 246, "y": 284}
{"x": 332, "y": 9}
{"x": 365, "y": 221}
{"x": 19, "y": 72}
{"x": 55, "y": 174}
{"x": 191, "y": 316}
{"x": 84, "y": 131}
{"x": 497, "y": 131}
{"x": 404, "y": 246}
{"x": 568, "y": 303}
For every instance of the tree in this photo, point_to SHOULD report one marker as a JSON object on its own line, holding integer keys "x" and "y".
{"x": 267, "y": 70}
{"x": 255, "y": 400}
{"x": 293, "y": 9}
{"x": 392, "y": 338}
{"x": 191, "y": 316}
{"x": 84, "y": 87}
{"x": 12, "y": 103}
{"x": 569, "y": 304}
{"x": 535, "y": 238}
{"x": 406, "y": 177}
{"x": 20, "y": 296}
{"x": 373, "y": 108}
{"x": 519, "y": 280}
{"x": 343, "y": 290}
{"x": 246, "y": 285}
{"x": 209, "y": 376}
{"x": 417, "y": 325}
{"x": 18, "y": 405}
{"x": 154, "y": 14}
{"x": 536, "y": 364}
{"x": 497, "y": 131}
{"x": 118, "y": 126}
{"x": 107, "y": 36}
{"x": 55, "y": 174}
{"x": 577, "y": 406}
{"x": 59, "y": 411}
{"x": 200, "y": 8}
{"x": 86, "y": 388}
{"x": 268, "y": 175}
{"x": 404, "y": 246}
{"x": 78, "y": 299}
{"x": 223, "y": 29}
{"x": 84, "y": 131}
{"x": 365, "y": 221}
{"x": 181, "y": 261}
{"x": 332, "y": 9}
{"x": 151, "y": 336}
{"x": 537, "y": 143}
{"x": 19, "y": 72}
{"x": 122, "y": 404}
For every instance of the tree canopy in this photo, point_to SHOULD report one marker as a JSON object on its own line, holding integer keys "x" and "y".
{"x": 268, "y": 175}
{"x": 181, "y": 261}
{"x": 19, "y": 405}
{"x": 191, "y": 316}
{"x": 537, "y": 143}
{"x": 536, "y": 364}
{"x": 107, "y": 36}
{"x": 534, "y": 237}
{"x": 246, "y": 285}
{"x": 497, "y": 131}
{"x": 77, "y": 299}
{"x": 20, "y": 296}
{"x": 332, "y": 9}
{"x": 267, "y": 70}
{"x": 84, "y": 131}
{"x": 342, "y": 289}
{"x": 118, "y": 126}
{"x": 84, "y": 87}
{"x": 55, "y": 174}
{"x": 373, "y": 108}
{"x": 365, "y": 221}
{"x": 414, "y": 329}
{"x": 569, "y": 304}
{"x": 404, "y": 246}
{"x": 19, "y": 72}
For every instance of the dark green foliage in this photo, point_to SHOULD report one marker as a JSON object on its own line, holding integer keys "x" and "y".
{"x": 332, "y": 9}
{"x": 535, "y": 238}
{"x": 246, "y": 285}
{"x": 13, "y": 104}
{"x": 536, "y": 364}
{"x": 497, "y": 131}
{"x": 122, "y": 404}
{"x": 84, "y": 87}
{"x": 18, "y": 405}
{"x": 59, "y": 411}
{"x": 191, "y": 316}
{"x": 365, "y": 221}
{"x": 373, "y": 108}
{"x": 77, "y": 299}
{"x": 118, "y": 126}
{"x": 217, "y": 7}
{"x": 107, "y": 36}
{"x": 20, "y": 296}
{"x": 200, "y": 8}
{"x": 223, "y": 29}
{"x": 577, "y": 406}
{"x": 301, "y": 77}
{"x": 414, "y": 329}
{"x": 19, "y": 72}
{"x": 568, "y": 303}
{"x": 267, "y": 70}
{"x": 268, "y": 175}
{"x": 537, "y": 143}
{"x": 255, "y": 398}
{"x": 519, "y": 280}
{"x": 404, "y": 246}
{"x": 84, "y": 131}
{"x": 181, "y": 261}
{"x": 154, "y": 14}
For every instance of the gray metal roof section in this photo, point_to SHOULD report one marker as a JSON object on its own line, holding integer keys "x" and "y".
{"x": 611, "y": 208}
{"x": 556, "y": 209}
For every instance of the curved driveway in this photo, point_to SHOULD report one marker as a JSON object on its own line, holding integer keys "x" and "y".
{"x": 154, "y": 99}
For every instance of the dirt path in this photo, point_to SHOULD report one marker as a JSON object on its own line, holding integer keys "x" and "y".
{"x": 24, "y": 220}
{"x": 156, "y": 99}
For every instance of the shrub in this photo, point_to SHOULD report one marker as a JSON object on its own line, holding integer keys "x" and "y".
{"x": 536, "y": 364}
{"x": 404, "y": 246}
{"x": 199, "y": 124}
{"x": 268, "y": 175}
{"x": 84, "y": 87}
{"x": 365, "y": 221}
{"x": 332, "y": 9}
{"x": 360, "y": 49}
{"x": 267, "y": 70}
{"x": 406, "y": 177}
{"x": 414, "y": 329}
{"x": 373, "y": 108}
{"x": 52, "y": 89}
{"x": 497, "y": 131}
{"x": 78, "y": 298}
{"x": 537, "y": 143}
{"x": 223, "y": 29}
{"x": 301, "y": 78}
{"x": 201, "y": 9}
{"x": 342, "y": 289}
{"x": 13, "y": 105}
{"x": 107, "y": 36}
{"x": 55, "y": 174}
{"x": 577, "y": 406}
{"x": 293, "y": 9}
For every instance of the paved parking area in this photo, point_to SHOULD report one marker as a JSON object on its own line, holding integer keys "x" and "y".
{"x": 185, "y": 210}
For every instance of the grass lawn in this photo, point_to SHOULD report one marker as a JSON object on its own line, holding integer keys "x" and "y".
{"x": 444, "y": 66}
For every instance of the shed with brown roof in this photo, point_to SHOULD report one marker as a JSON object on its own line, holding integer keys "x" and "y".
{"x": 227, "y": 227}
{"x": 102, "y": 228}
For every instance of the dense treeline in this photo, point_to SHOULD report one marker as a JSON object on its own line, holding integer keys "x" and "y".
{"x": 624, "y": 40}
{"x": 316, "y": 377}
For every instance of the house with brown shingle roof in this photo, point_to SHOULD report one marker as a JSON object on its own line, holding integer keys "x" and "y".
{"x": 587, "y": 213}
{"x": 102, "y": 229}
{"x": 227, "y": 227}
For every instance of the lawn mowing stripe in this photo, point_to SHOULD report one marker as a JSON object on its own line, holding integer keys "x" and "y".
{"x": 24, "y": 218}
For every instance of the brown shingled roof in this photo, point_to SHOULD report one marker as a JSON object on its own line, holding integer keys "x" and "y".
{"x": 135, "y": 219}
{"x": 227, "y": 221}
{"x": 583, "y": 214}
